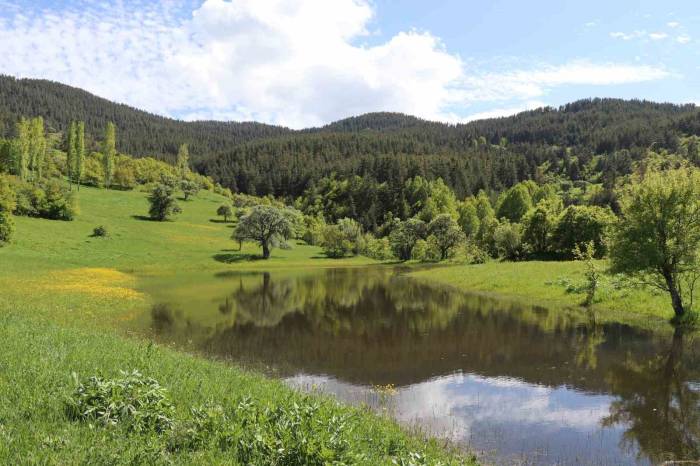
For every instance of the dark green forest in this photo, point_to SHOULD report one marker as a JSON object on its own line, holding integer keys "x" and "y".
{"x": 595, "y": 140}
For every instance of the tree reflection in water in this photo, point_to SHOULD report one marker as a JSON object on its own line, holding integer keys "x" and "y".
{"x": 369, "y": 327}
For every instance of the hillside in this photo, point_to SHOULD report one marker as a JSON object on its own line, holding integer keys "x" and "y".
{"x": 583, "y": 138}
{"x": 140, "y": 133}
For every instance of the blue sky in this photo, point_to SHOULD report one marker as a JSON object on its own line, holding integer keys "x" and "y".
{"x": 307, "y": 62}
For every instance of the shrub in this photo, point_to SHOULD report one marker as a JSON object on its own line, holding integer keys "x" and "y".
{"x": 50, "y": 200}
{"x": 376, "y": 248}
{"x": 134, "y": 401}
{"x": 124, "y": 177}
{"x": 334, "y": 242}
{"x": 94, "y": 174}
{"x": 7, "y": 227}
{"x": 225, "y": 211}
{"x": 163, "y": 203}
{"x": 100, "y": 232}
{"x": 579, "y": 225}
{"x": 189, "y": 188}
{"x": 508, "y": 240}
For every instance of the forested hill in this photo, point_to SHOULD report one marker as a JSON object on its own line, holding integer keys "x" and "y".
{"x": 140, "y": 133}
{"x": 585, "y": 140}
{"x": 588, "y": 139}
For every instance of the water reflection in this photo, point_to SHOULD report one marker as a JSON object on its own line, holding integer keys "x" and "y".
{"x": 515, "y": 381}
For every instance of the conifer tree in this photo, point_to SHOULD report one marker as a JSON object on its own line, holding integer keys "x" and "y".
{"x": 108, "y": 152}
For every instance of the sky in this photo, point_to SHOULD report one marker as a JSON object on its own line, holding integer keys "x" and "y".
{"x": 302, "y": 63}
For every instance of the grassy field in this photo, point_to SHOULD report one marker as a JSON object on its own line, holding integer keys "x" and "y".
{"x": 556, "y": 284}
{"x": 64, "y": 290}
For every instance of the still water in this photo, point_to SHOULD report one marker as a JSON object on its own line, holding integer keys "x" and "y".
{"x": 517, "y": 384}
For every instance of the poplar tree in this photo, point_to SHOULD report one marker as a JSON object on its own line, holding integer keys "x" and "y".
{"x": 79, "y": 151}
{"x": 70, "y": 152}
{"x": 108, "y": 152}
{"x": 37, "y": 147}
{"x": 183, "y": 160}
{"x": 21, "y": 149}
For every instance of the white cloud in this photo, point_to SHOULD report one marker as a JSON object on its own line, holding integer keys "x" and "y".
{"x": 504, "y": 112}
{"x": 627, "y": 35}
{"x": 291, "y": 62}
{"x": 536, "y": 82}
{"x": 658, "y": 35}
{"x": 683, "y": 39}
{"x": 673, "y": 24}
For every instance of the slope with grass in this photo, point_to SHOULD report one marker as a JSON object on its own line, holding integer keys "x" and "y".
{"x": 63, "y": 291}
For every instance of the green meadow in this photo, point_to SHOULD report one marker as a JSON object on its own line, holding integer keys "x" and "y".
{"x": 64, "y": 293}
{"x": 558, "y": 285}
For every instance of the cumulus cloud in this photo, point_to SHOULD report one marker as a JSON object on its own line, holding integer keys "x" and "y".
{"x": 291, "y": 62}
{"x": 683, "y": 39}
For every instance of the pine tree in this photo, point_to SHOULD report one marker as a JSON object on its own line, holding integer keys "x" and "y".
{"x": 183, "y": 160}
{"x": 108, "y": 152}
{"x": 79, "y": 152}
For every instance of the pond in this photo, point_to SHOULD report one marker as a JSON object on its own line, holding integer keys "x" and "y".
{"x": 517, "y": 384}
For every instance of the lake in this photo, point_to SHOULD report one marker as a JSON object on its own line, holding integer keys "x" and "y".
{"x": 517, "y": 384}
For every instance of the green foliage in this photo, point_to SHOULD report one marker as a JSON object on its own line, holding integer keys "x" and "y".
{"x": 514, "y": 203}
{"x": 587, "y": 254}
{"x": 267, "y": 225}
{"x": 225, "y": 211}
{"x": 7, "y": 227}
{"x": 100, "y": 232}
{"x": 468, "y": 217}
{"x": 538, "y": 225}
{"x": 445, "y": 235}
{"x": 49, "y": 199}
{"x": 404, "y": 236}
{"x": 135, "y": 401}
{"x": 109, "y": 152}
{"x": 183, "y": 161}
{"x": 123, "y": 177}
{"x": 8, "y": 197}
{"x": 189, "y": 188}
{"x": 343, "y": 238}
{"x": 658, "y": 237}
{"x": 334, "y": 242}
{"x": 313, "y": 229}
{"x": 376, "y": 248}
{"x": 507, "y": 239}
{"x": 579, "y": 225}
{"x": 163, "y": 204}
{"x": 93, "y": 171}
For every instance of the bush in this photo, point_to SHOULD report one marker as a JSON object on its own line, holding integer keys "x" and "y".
{"x": 134, "y": 401}
{"x": 94, "y": 174}
{"x": 225, "y": 211}
{"x": 376, "y": 248}
{"x": 7, "y": 227}
{"x": 124, "y": 178}
{"x": 51, "y": 200}
{"x": 508, "y": 240}
{"x": 100, "y": 232}
{"x": 334, "y": 242}
{"x": 189, "y": 188}
{"x": 163, "y": 203}
{"x": 579, "y": 225}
